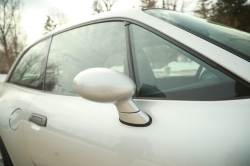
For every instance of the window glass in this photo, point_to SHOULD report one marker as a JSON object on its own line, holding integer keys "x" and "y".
{"x": 234, "y": 40}
{"x": 97, "y": 45}
{"x": 30, "y": 69}
{"x": 168, "y": 61}
{"x": 167, "y": 71}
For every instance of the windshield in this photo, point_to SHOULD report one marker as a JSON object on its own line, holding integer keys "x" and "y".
{"x": 235, "y": 41}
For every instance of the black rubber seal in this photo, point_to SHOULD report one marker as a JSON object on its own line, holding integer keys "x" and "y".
{"x": 138, "y": 125}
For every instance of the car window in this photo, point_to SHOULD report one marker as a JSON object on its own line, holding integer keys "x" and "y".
{"x": 97, "y": 45}
{"x": 167, "y": 71}
{"x": 30, "y": 69}
{"x": 231, "y": 39}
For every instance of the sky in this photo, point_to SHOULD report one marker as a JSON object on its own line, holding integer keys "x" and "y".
{"x": 35, "y": 11}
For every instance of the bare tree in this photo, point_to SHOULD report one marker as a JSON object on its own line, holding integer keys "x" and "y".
{"x": 49, "y": 25}
{"x": 108, "y": 4}
{"x": 171, "y": 4}
{"x": 185, "y": 5}
{"x": 204, "y": 10}
{"x": 177, "y": 5}
{"x": 97, "y": 7}
{"x": 59, "y": 16}
{"x": 148, "y": 3}
{"x": 12, "y": 36}
{"x": 55, "y": 19}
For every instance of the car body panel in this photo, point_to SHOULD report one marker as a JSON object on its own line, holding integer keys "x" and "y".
{"x": 81, "y": 132}
{"x": 14, "y": 97}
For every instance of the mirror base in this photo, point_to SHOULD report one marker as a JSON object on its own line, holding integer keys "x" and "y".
{"x": 138, "y": 125}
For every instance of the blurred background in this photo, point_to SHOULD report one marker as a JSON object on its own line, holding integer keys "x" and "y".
{"x": 24, "y": 21}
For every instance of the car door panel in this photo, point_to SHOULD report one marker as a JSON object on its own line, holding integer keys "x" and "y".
{"x": 65, "y": 140}
{"x": 22, "y": 86}
{"x": 14, "y": 97}
{"x": 81, "y": 132}
{"x": 201, "y": 132}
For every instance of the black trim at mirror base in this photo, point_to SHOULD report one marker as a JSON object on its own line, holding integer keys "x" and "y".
{"x": 138, "y": 125}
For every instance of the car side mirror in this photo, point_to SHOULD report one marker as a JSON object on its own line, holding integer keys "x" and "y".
{"x": 108, "y": 86}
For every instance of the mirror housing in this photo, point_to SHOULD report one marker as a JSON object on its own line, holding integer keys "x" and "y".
{"x": 108, "y": 86}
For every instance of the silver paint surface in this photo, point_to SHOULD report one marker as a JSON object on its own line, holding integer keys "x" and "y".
{"x": 103, "y": 85}
{"x": 13, "y": 97}
{"x": 81, "y": 132}
{"x": 108, "y": 86}
{"x": 15, "y": 119}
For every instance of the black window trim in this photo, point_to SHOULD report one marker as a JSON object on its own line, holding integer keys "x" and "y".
{"x": 221, "y": 45}
{"x": 131, "y": 61}
{"x": 46, "y": 63}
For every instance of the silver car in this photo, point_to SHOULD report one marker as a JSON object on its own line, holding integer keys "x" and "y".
{"x": 137, "y": 87}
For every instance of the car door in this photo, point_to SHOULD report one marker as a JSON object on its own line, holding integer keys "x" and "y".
{"x": 22, "y": 86}
{"x": 196, "y": 118}
{"x": 97, "y": 45}
{"x": 198, "y": 121}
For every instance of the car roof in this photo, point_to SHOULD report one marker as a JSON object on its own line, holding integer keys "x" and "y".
{"x": 121, "y": 14}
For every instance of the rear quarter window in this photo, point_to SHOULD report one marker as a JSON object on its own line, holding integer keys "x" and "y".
{"x": 30, "y": 69}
